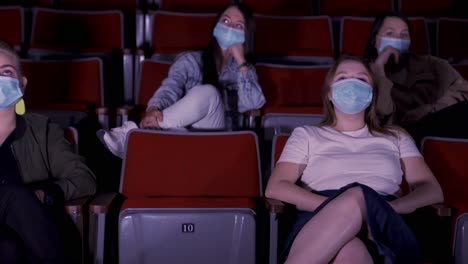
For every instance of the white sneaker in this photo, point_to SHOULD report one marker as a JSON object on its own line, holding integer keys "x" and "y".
{"x": 114, "y": 140}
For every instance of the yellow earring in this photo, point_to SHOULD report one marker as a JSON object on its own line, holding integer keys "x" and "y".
{"x": 20, "y": 108}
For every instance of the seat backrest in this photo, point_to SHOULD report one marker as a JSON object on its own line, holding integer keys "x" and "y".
{"x": 12, "y": 17}
{"x": 186, "y": 31}
{"x": 447, "y": 160}
{"x": 452, "y": 39}
{"x": 307, "y": 39}
{"x": 279, "y": 141}
{"x": 152, "y": 74}
{"x": 71, "y": 135}
{"x": 124, "y": 5}
{"x": 66, "y": 31}
{"x": 73, "y": 81}
{"x": 190, "y": 6}
{"x": 355, "y": 31}
{"x": 462, "y": 69}
{"x": 275, "y": 123}
{"x": 191, "y": 164}
{"x": 280, "y": 7}
{"x": 420, "y": 36}
{"x": 45, "y": 3}
{"x": 426, "y": 8}
{"x": 338, "y": 8}
{"x": 290, "y": 86}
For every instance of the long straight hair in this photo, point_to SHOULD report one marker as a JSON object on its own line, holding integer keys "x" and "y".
{"x": 370, "y": 116}
{"x": 212, "y": 56}
{"x": 370, "y": 52}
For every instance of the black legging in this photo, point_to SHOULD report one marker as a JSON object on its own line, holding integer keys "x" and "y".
{"x": 27, "y": 228}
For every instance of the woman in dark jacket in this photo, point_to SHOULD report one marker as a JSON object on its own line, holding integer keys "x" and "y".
{"x": 38, "y": 171}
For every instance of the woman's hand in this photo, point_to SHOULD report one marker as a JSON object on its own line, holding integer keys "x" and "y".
{"x": 379, "y": 64}
{"x": 425, "y": 190}
{"x": 237, "y": 51}
{"x": 395, "y": 205}
{"x": 152, "y": 118}
{"x": 40, "y": 195}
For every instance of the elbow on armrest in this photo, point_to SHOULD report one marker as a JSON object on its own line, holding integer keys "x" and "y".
{"x": 438, "y": 194}
{"x": 76, "y": 206}
{"x": 269, "y": 193}
{"x": 275, "y": 206}
{"x": 443, "y": 210}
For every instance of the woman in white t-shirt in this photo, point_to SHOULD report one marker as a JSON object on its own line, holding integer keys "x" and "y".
{"x": 350, "y": 170}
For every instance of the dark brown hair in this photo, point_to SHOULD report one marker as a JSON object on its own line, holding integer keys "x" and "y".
{"x": 212, "y": 57}
{"x": 370, "y": 52}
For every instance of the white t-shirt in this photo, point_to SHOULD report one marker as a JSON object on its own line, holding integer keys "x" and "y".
{"x": 335, "y": 159}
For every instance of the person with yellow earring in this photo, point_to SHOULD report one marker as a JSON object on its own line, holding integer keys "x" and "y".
{"x": 20, "y": 107}
{"x": 38, "y": 172}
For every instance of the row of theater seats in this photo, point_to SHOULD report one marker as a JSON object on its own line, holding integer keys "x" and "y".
{"x": 178, "y": 204}
{"x": 428, "y": 8}
{"x": 58, "y": 34}
{"x": 134, "y": 79}
{"x": 103, "y": 32}
{"x": 77, "y": 87}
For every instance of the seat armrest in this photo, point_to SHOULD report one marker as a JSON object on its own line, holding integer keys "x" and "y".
{"x": 76, "y": 206}
{"x": 138, "y": 59}
{"x": 103, "y": 219}
{"x": 102, "y": 111}
{"x": 251, "y": 118}
{"x": 103, "y": 203}
{"x": 125, "y": 109}
{"x": 77, "y": 211}
{"x": 103, "y": 116}
{"x": 123, "y": 113}
{"x": 275, "y": 206}
{"x": 254, "y": 113}
{"x": 127, "y": 61}
{"x": 443, "y": 210}
{"x": 140, "y": 28}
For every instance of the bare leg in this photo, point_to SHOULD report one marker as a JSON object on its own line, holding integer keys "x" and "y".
{"x": 353, "y": 252}
{"x": 320, "y": 240}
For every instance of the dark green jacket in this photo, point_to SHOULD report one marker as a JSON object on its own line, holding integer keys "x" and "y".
{"x": 43, "y": 154}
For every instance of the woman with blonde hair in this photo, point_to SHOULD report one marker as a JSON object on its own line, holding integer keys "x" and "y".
{"x": 350, "y": 169}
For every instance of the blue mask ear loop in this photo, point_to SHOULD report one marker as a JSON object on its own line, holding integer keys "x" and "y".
{"x": 20, "y": 107}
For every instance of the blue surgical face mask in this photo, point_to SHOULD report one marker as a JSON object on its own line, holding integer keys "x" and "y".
{"x": 10, "y": 91}
{"x": 228, "y": 36}
{"x": 402, "y": 45}
{"x": 351, "y": 95}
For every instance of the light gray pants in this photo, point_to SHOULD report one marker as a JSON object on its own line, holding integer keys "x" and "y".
{"x": 201, "y": 108}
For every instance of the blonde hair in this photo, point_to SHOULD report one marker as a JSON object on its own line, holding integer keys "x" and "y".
{"x": 370, "y": 117}
{"x": 8, "y": 49}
